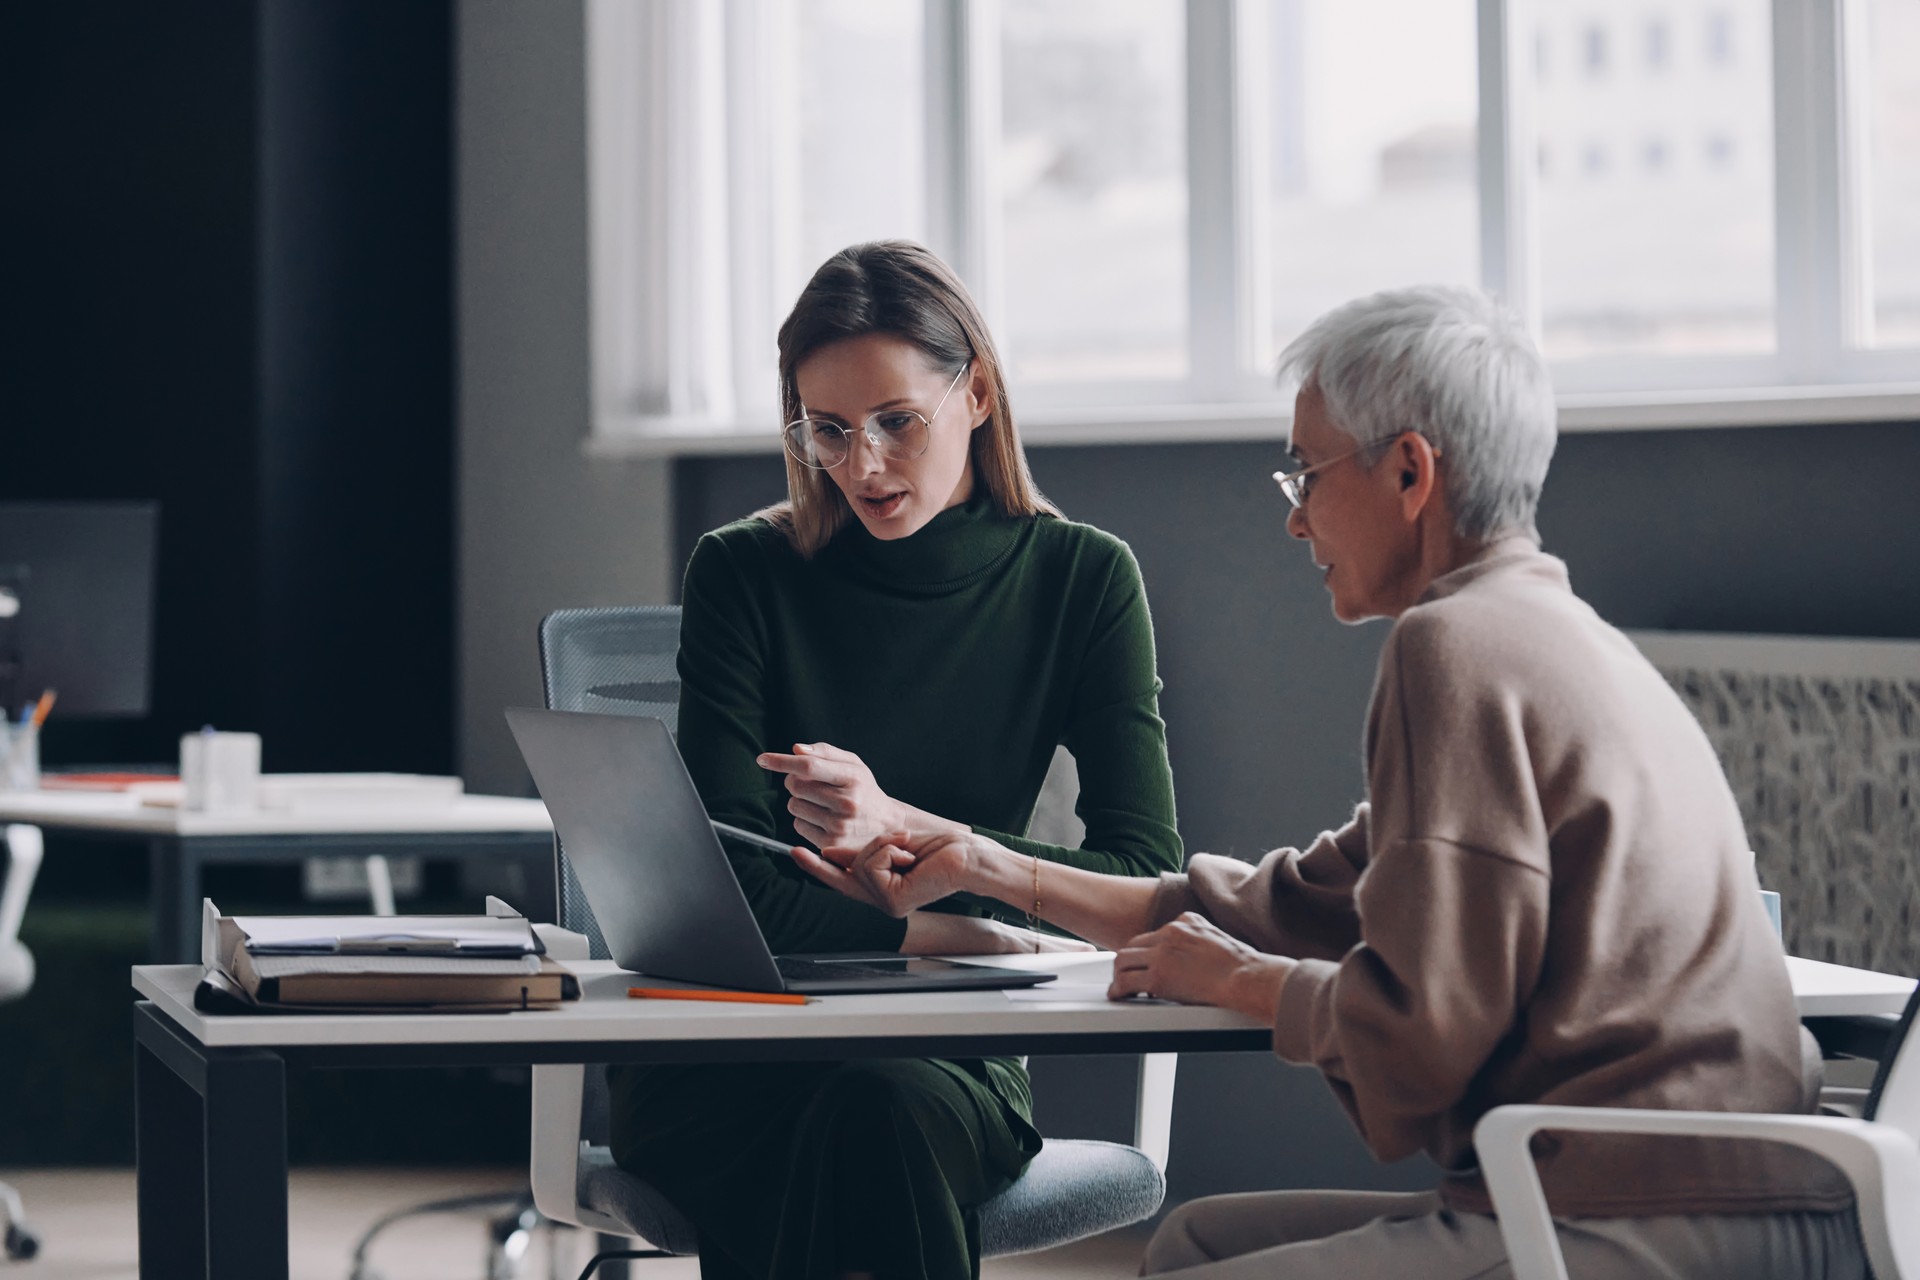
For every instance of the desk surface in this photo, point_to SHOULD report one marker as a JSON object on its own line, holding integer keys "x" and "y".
{"x": 605, "y": 1014}
{"x": 1822, "y": 990}
{"x": 122, "y": 812}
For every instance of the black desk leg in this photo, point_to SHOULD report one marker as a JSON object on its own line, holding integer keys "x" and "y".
{"x": 614, "y": 1268}
{"x": 246, "y": 1134}
{"x": 173, "y": 873}
{"x": 212, "y": 1175}
{"x": 171, "y": 1169}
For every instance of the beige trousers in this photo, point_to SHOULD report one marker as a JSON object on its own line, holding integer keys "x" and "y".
{"x": 1361, "y": 1235}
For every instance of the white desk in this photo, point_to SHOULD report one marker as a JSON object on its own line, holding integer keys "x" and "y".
{"x": 180, "y": 844}
{"x": 1822, "y": 990}
{"x": 211, "y": 1090}
{"x": 120, "y": 812}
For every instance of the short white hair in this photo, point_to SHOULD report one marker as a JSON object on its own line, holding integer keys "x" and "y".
{"x": 1457, "y": 367}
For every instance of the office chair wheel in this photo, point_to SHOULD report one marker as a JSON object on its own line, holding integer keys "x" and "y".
{"x": 22, "y": 1243}
{"x": 510, "y": 1237}
{"x": 361, "y": 1269}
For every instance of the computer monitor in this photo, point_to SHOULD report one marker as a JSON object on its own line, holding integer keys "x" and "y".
{"x": 76, "y": 605}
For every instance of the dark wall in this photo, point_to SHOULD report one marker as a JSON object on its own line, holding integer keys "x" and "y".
{"x": 128, "y": 316}
{"x": 226, "y": 287}
{"x": 1808, "y": 530}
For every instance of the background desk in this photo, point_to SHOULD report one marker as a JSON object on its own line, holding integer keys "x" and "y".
{"x": 211, "y": 1091}
{"x": 181, "y": 844}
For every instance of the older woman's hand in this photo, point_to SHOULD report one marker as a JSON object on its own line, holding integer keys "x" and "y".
{"x": 898, "y": 871}
{"x": 835, "y": 800}
{"x": 1194, "y": 961}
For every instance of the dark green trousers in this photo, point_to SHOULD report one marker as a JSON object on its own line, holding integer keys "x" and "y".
{"x": 802, "y": 1171}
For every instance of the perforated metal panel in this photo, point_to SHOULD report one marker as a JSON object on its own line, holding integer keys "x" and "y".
{"x": 615, "y": 662}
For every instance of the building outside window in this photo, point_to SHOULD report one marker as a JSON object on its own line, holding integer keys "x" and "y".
{"x": 1151, "y": 197}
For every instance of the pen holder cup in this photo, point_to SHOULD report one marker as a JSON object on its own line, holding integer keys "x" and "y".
{"x": 20, "y": 757}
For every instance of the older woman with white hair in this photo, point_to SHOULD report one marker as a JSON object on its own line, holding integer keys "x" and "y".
{"x": 1546, "y": 897}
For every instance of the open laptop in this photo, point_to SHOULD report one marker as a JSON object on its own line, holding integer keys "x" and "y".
{"x": 658, "y": 881}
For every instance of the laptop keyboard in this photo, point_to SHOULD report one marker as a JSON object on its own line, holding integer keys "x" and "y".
{"x": 794, "y": 969}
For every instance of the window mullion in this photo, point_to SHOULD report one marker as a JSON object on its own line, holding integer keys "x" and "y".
{"x": 964, "y": 214}
{"x": 764, "y": 189}
{"x": 1854, "y": 119}
{"x": 658, "y": 223}
{"x": 1228, "y": 316}
{"x": 1820, "y": 240}
{"x": 1508, "y": 151}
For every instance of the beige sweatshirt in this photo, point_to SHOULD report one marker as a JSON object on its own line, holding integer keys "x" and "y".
{"x": 1547, "y": 898}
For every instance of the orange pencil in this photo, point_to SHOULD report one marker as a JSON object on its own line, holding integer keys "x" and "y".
{"x": 43, "y": 708}
{"x": 739, "y": 997}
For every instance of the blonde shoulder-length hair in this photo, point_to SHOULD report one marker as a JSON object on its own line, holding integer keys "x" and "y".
{"x": 897, "y": 288}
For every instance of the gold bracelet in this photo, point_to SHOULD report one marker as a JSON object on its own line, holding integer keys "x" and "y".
{"x": 1033, "y": 916}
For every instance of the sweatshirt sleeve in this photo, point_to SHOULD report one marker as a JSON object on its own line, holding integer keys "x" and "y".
{"x": 723, "y": 727}
{"x": 1452, "y": 931}
{"x": 1294, "y": 902}
{"x": 1119, "y": 743}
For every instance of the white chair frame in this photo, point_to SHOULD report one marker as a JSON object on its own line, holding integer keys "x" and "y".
{"x": 1879, "y": 1156}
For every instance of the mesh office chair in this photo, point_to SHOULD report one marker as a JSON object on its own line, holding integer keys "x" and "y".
{"x": 622, "y": 661}
{"x": 23, "y": 846}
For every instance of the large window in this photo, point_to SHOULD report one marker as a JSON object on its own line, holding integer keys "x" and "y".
{"x": 1655, "y": 187}
{"x": 858, "y": 82}
{"x": 1373, "y": 105}
{"x": 1697, "y": 203}
{"x": 1093, "y": 173}
{"x": 1892, "y": 103}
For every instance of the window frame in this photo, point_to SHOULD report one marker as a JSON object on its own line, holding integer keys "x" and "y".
{"x": 686, "y": 365}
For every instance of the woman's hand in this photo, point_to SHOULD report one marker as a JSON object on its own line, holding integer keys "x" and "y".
{"x": 935, "y": 933}
{"x": 1194, "y": 961}
{"x": 835, "y": 800}
{"x": 899, "y": 871}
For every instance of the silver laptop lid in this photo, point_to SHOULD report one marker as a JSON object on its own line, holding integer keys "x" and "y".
{"x": 637, "y": 834}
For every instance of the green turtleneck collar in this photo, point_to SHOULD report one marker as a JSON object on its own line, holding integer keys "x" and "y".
{"x": 951, "y": 550}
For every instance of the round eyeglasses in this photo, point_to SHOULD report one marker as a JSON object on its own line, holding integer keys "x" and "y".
{"x": 1298, "y": 485}
{"x": 900, "y": 434}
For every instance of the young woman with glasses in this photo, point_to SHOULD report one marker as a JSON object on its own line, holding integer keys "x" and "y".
{"x": 902, "y": 644}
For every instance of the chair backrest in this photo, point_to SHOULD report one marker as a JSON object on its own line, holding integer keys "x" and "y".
{"x": 1895, "y": 1096}
{"x": 618, "y": 661}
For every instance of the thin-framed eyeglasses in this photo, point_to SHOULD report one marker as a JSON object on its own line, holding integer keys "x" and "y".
{"x": 1298, "y": 485}
{"x": 900, "y": 434}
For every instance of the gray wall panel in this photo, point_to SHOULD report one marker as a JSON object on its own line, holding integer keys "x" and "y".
{"x": 542, "y": 526}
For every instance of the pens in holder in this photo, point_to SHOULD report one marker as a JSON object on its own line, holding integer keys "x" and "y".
{"x": 735, "y": 997}
{"x": 38, "y": 713}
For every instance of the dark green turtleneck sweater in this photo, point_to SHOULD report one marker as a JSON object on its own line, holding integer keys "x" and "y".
{"x": 952, "y": 662}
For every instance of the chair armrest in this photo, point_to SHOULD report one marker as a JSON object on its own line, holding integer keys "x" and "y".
{"x": 1881, "y": 1162}
{"x": 24, "y": 846}
{"x": 558, "y": 1092}
{"x": 1153, "y": 1107}
{"x": 555, "y": 1168}
{"x": 563, "y": 944}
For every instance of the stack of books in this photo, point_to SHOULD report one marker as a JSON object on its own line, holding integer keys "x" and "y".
{"x": 418, "y": 964}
